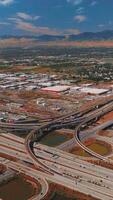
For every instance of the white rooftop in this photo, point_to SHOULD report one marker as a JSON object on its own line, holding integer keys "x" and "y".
{"x": 93, "y": 90}
{"x": 75, "y": 88}
{"x": 59, "y": 88}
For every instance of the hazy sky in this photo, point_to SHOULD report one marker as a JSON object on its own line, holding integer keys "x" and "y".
{"x": 55, "y": 16}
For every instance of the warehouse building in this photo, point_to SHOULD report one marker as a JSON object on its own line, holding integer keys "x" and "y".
{"x": 56, "y": 89}
{"x": 94, "y": 91}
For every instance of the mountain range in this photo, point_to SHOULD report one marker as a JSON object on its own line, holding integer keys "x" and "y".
{"x": 85, "y": 36}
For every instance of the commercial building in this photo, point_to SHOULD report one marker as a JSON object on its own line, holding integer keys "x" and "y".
{"x": 56, "y": 89}
{"x": 94, "y": 91}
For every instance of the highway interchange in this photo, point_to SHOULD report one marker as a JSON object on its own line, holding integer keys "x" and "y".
{"x": 52, "y": 164}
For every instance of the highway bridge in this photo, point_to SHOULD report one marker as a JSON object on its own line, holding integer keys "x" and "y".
{"x": 84, "y": 135}
{"x": 58, "y": 166}
{"x": 67, "y": 119}
{"x": 71, "y": 172}
{"x": 33, "y": 136}
{"x": 21, "y": 168}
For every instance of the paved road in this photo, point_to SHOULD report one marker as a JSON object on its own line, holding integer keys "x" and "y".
{"x": 21, "y": 168}
{"x": 90, "y": 175}
{"x": 58, "y": 166}
{"x": 100, "y": 112}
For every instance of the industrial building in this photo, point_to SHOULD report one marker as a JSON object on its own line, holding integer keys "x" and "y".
{"x": 56, "y": 89}
{"x": 94, "y": 91}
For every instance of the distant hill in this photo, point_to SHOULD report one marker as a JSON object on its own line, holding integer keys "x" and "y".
{"x": 45, "y": 38}
{"x": 103, "y": 35}
{"x": 85, "y": 36}
{"x": 86, "y": 39}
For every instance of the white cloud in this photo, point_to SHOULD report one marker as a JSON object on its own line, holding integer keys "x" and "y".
{"x": 110, "y": 23}
{"x": 20, "y": 24}
{"x": 101, "y": 25}
{"x": 22, "y": 21}
{"x": 4, "y": 23}
{"x": 6, "y": 2}
{"x": 72, "y": 31}
{"x": 29, "y": 27}
{"x": 75, "y": 2}
{"x": 80, "y": 10}
{"x": 106, "y": 25}
{"x": 26, "y": 16}
{"x": 80, "y": 18}
{"x": 93, "y": 3}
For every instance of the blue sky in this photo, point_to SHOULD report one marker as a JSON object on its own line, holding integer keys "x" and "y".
{"x": 35, "y": 17}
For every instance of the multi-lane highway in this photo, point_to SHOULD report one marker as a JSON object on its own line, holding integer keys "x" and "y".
{"x": 58, "y": 166}
{"x": 52, "y": 125}
{"x": 71, "y": 172}
{"x": 23, "y": 169}
{"x": 100, "y": 112}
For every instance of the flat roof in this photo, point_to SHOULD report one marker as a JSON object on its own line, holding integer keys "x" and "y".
{"x": 59, "y": 88}
{"x": 75, "y": 88}
{"x": 93, "y": 90}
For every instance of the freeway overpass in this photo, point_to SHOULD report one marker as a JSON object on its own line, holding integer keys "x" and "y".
{"x": 51, "y": 126}
{"x": 67, "y": 168}
{"x": 84, "y": 135}
{"x": 57, "y": 166}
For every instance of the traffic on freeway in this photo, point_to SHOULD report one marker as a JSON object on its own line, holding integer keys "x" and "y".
{"x": 55, "y": 165}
